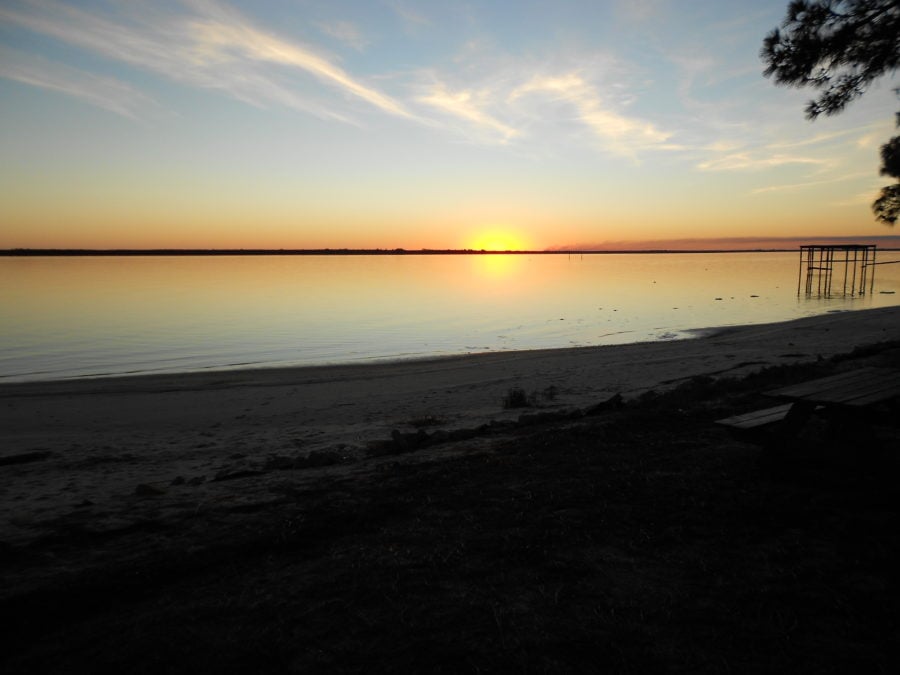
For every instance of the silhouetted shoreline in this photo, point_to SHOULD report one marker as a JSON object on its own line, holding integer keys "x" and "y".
{"x": 64, "y": 252}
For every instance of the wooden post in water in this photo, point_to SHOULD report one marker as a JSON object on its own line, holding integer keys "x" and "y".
{"x": 820, "y": 263}
{"x": 872, "y": 278}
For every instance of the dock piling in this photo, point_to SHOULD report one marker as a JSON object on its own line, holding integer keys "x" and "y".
{"x": 820, "y": 261}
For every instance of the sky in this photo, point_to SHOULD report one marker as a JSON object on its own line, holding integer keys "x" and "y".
{"x": 419, "y": 124}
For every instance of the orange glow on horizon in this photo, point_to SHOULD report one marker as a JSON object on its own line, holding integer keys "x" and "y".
{"x": 498, "y": 240}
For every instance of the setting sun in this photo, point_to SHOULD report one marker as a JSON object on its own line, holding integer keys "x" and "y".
{"x": 497, "y": 240}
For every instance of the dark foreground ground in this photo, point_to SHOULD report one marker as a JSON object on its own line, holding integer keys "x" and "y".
{"x": 644, "y": 539}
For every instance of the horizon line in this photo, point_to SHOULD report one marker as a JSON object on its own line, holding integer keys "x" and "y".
{"x": 74, "y": 252}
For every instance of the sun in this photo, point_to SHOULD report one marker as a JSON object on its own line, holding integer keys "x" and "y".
{"x": 497, "y": 240}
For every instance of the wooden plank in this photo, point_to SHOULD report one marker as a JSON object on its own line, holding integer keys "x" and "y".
{"x": 757, "y": 418}
{"x": 886, "y": 394}
{"x": 875, "y": 388}
{"x": 874, "y": 392}
{"x": 859, "y": 387}
{"x": 812, "y": 386}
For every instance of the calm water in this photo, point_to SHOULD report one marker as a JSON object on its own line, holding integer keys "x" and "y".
{"x": 77, "y": 317}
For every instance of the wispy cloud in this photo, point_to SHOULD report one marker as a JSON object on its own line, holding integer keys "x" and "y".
{"x": 819, "y": 152}
{"x": 413, "y": 18}
{"x": 818, "y": 139}
{"x": 230, "y": 37}
{"x": 569, "y": 97}
{"x": 345, "y": 32}
{"x": 723, "y": 146}
{"x": 640, "y": 10}
{"x": 208, "y": 44}
{"x": 747, "y": 161}
{"x": 794, "y": 187}
{"x": 863, "y": 198}
{"x": 212, "y": 47}
{"x": 103, "y": 92}
{"x": 468, "y": 105}
{"x": 622, "y": 134}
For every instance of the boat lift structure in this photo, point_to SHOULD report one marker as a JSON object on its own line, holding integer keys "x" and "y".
{"x": 851, "y": 261}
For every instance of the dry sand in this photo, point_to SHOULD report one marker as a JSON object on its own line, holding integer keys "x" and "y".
{"x": 111, "y": 452}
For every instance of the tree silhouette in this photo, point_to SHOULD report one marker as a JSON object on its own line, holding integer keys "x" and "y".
{"x": 887, "y": 206}
{"x": 840, "y": 47}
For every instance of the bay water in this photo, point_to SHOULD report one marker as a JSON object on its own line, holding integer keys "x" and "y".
{"x": 72, "y": 317}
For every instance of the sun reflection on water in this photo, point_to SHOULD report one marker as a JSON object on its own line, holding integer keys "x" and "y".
{"x": 497, "y": 267}
{"x": 76, "y": 316}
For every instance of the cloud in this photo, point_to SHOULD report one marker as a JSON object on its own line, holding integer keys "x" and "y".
{"x": 864, "y": 198}
{"x": 103, "y": 92}
{"x": 227, "y": 35}
{"x": 820, "y": 152}
{"x": 465, "y": 104}
{"x": 808, "y": 184}
{"x": 345, "y": 32}
{"x": 209, "y": 45}
{"x": 745, "y": 161}
{"x": 214, "y": 47}
{"x": 411, "y": 17}
{"x": 622, "y": 134}
{"x": 641, "y": 10}
{"x": 507, "y": 101}
{"x": 723, "y": 146}
{"x": 868, "y": 140}
{"x": 818, "y": 139}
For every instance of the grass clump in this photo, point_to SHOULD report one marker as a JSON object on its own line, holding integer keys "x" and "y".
{"x": 516, "y": 398}
{"x": 427, "y": 421}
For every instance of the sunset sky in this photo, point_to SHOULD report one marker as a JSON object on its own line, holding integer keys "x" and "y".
{"x": 418, "y": 124}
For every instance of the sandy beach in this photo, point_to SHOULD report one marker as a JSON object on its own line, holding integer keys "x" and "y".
{"x": 100, "y": 460}
{"x": 102, "y": 438}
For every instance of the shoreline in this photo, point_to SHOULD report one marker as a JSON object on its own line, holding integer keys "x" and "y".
{"x": 99, "y": 440}
{"x": 874, "y": 325}
{"x": 89, "y": 252}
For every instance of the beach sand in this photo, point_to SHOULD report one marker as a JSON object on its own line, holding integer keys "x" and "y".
{"x": 102, "y": 438}
{"x": 89, "y": 467}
